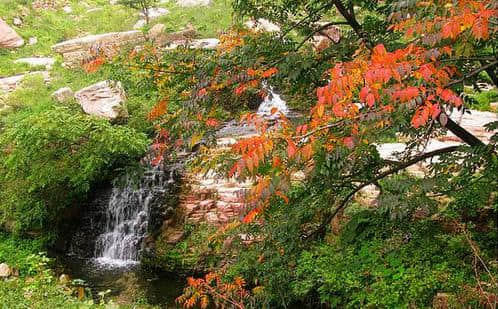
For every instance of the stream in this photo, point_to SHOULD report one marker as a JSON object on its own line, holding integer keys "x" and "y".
{"x": 108, "y": 243}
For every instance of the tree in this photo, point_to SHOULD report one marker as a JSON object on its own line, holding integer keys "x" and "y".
{"x": 397, "y": 70}
{"x": 143, "y": 6}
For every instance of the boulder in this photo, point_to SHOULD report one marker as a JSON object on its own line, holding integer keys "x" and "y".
{"x": 262, "y": 25}
{"x": 34, "y": 61}
{"x": 103, "y": 99}
{"x": 8, "y": 37}
{"x": 8, "y": 84}
{"x": 5, "y": 270}
{"x": 76, "y": 51}
{"x": 63, "y": 95}
{"x": 191, "y": 3}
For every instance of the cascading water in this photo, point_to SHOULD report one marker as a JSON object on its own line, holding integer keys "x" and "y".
{"x": 273, "y": 101}
{"x": 127, "y": 218}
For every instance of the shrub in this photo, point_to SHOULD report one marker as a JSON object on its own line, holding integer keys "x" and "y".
{"x": 50, "y": 160}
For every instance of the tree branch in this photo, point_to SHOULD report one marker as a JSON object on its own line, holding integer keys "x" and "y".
{"x": 321, "y": 229}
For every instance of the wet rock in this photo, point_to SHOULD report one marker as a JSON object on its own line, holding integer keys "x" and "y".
{"x": 190, "y": 3}
{"x": 63, "y": 95}
{"x": 76, "y": 51}
{"x": 9, "y": 84}
{"x": 34, "y": 61}
{"x": 5, "y": 270}
{"x": 103, "y": 99}
{"x": 8, "y": 37}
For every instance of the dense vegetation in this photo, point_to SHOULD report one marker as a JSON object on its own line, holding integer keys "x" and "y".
{"x": 389, "y": 71}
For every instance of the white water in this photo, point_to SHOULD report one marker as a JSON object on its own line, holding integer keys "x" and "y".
{"x": 127, "y": 218}
{"x": 273, "y": 101}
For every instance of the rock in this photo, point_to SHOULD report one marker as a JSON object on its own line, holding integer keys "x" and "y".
{"x": 64, "y": 279}
{"x": 5, "y": 270}
{"x": 195, "y": 44}
{"x": 326, "y": 37}
{"x": 155, "y": 13}
{"x": 161, "y": 38}
{"x": 77, "y": 50}
{"x": 63, "y": 95}
{"x": 17, "y": 22}
{"x": 8, "y": 37}
{"x": 32, "y": 41}
{"x": 46, "y": 62}
{"x": 9, "y": 84}
{"x": 473, "y": 122}
{"x": 190, "y": 3}
{"x": 67, "y": 9}
{"x": 103, "y": 99}
{"x": 262, "y": 25}
{"x": 140, "y": 24}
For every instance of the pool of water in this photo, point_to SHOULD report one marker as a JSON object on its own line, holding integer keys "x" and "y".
{"x": 127, "y": 283}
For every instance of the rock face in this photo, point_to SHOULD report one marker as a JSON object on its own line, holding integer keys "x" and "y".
{"x": 63, "y": 95}
{"x": 78, "y": 50}
{"x": 103, "y": 99}
{"x": 8, "y": 37}
{"x": 190, "y": 3}
{"x": 9, "y": 84}
{"x": 5, "y": 270}
{"x": 212, "y": 199}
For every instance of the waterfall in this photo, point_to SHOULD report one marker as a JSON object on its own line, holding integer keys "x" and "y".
{"x": 127, "y": 218}
{"x": 273, "y": 100}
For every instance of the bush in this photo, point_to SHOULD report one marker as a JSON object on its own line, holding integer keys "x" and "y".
{"x": 50, "y": 159}
{"x": 385, "y": 266}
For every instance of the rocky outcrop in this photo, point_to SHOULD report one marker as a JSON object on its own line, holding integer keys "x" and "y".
{"x": 212, "y": 199}
{"x": 103, "y": 99}
{"x": 8, "y": 84}
{"x": 79, "y": 50}
{"x": 8, "y": 37}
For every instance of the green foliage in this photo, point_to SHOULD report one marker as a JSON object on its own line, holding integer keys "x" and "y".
{"x": 197, "y": 252}
{"x": 51, "y": 159}
{"x": 385, "y": 266}
{"x": 36, "y": 286}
